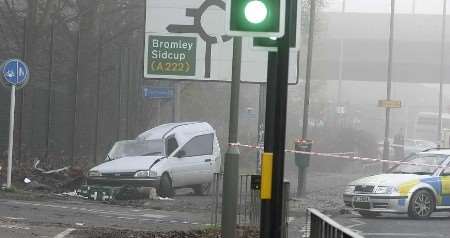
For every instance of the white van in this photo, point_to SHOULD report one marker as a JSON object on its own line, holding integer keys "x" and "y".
{"x": 167, "y": 157}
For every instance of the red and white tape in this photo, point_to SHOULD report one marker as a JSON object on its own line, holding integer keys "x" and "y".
{"x": 340, "y": 156}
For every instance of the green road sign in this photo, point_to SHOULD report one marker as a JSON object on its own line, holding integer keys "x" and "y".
{"x": 264, "y": 18}
{"x": 171, "y": 55}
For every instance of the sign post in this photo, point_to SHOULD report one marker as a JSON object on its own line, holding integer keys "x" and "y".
{"x": 15, "y": 75}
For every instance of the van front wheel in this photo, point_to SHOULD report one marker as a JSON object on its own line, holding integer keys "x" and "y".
{"x": 165, "y": 186}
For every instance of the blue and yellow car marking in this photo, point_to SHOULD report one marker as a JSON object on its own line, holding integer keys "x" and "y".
{"x": 404, "y": 188}
{"x": 441, "y": 186}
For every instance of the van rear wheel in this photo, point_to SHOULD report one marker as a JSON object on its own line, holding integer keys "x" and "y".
{"x": 165, "y": 186}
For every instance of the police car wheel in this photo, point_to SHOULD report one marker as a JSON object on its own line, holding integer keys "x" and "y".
{"x": 421, "y": 205}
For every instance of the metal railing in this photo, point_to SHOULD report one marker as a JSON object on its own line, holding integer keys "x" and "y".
{"x": 248, "y": 212}
{"x": 321, "y": 226}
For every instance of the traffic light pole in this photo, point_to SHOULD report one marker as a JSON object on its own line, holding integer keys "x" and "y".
{"x": 272, "y": 66}
{"x": 231, "y": 164}
{"x": 280, "y": 129}
{"x": 271, "y": 210}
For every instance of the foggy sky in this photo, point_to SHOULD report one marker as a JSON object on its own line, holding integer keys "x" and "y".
{"x": 383, "y": 6}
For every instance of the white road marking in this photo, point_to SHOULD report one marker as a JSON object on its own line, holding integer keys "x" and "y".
{"x": 64, "y": 233}
{"x": 116, "y": 214}
{"x": 14, "y": 218}
{"x": 397, "y": 234}
{"x": 127, "y": 218}
{"x": 153, "y": 216}
{"x": 14, "y": 227}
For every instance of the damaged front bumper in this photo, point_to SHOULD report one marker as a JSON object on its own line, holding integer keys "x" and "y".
{"x": 121, "y": 181}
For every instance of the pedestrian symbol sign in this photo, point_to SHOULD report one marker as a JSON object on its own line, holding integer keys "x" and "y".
{"x": 15, "y": 72}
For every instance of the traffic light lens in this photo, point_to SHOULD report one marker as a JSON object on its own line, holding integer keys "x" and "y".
{"x": 255, "y": 12}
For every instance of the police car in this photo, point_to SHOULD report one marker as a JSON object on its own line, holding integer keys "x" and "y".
{"x": 419, "y": 186}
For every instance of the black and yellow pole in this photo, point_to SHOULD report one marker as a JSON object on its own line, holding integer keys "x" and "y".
{"x": 272, "y": 171}
{"x": 267, "y": 156}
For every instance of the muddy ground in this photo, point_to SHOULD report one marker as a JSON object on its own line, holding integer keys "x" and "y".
{"x": 207, "y": 233}
{"x": 324, "y": 192}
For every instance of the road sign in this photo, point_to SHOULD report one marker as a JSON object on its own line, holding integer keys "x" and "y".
{"x": 340, "y": 110}
{"x": 205, "y": 21}
{"x": 171, "y": 55}
{"x": 15, "y": 72}
{"x": 390, "y": 103}
{"x": 158, "y": 92}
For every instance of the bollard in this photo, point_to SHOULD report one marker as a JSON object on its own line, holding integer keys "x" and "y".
{"x": 286, "y": 197}
{"x": 302, "y": 162}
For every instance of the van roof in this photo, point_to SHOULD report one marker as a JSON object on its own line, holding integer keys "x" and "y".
{"x": 165, "y": 129}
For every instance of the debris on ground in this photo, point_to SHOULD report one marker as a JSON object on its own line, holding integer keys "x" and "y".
{"x": 70, "y": 194}
{"x": 165, "y": 199}
{"x": 66, "y": 179}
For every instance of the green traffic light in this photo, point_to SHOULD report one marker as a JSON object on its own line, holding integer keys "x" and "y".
{"x": 255, "y": 11}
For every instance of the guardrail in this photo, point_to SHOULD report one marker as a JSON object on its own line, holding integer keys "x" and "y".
{"x": 321, "y": 226}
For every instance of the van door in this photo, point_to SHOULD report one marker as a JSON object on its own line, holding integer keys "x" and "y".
{"x": 194, "y": 161}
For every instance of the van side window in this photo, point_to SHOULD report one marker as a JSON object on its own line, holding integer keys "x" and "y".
{"x": 172, "y": 145}
{"x": 199, "y": 145}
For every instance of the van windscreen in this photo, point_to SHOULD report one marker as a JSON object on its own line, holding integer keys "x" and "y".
{"x": 136, "y": 148}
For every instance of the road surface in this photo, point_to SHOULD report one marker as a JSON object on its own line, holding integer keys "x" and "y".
{"x": 21, "y": 219}
{"x": 398, "y": 226}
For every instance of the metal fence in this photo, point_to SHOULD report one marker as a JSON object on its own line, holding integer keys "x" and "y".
{"x": 321, "y": 226}
{"x": 248, "y": 211}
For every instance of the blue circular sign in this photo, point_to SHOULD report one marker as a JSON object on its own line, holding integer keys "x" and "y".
{"x": 15, "y": 72}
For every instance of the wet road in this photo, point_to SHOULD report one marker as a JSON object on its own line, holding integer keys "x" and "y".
{"x": 438, "y": 226}
{"x": 59, "y": 218}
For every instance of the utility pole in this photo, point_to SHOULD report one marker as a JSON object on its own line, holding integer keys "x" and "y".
{"x": 312, "y": 13}
{"x": 389, "y": 82}
{"x": 301, "y": 175}
{"x": 261, "y": 112}
{"x": 231, "y": 164}
{"x": 50, "y": 81}
{"x": 75, "y": 97}
{"x": 22, "y": 92}
{"x": 98, "y": 83}
{"x": 442, "y": 74}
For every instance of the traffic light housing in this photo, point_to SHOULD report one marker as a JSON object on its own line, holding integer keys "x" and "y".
{"x": 302, "y": 160}
{"x": 271, "y": 43}
{"x": 264, "y": 18}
